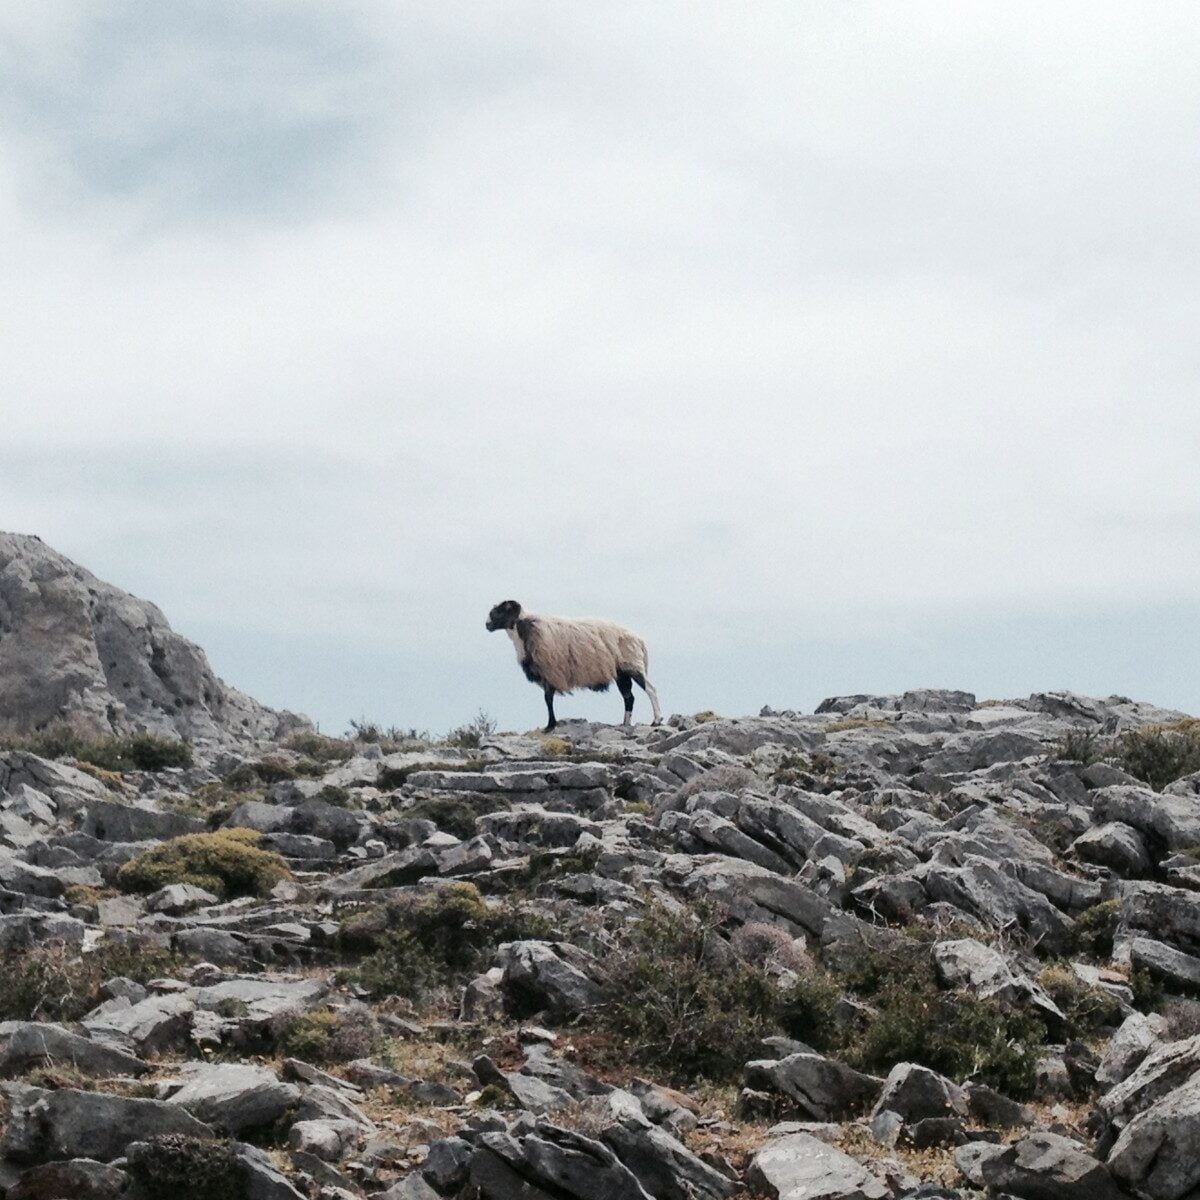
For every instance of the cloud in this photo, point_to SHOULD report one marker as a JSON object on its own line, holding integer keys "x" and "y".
{"x": 748, "y": 326}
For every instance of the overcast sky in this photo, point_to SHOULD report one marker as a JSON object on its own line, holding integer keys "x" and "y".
{"x": 832, "y": 346}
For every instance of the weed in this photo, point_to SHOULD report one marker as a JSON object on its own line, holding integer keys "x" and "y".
{"x": 470, "y": 736}
{"x": 1082, "y": 745}
{"x": 57, "y": 982}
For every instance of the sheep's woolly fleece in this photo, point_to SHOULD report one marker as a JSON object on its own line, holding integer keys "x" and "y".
{"x": 572, "y": 654}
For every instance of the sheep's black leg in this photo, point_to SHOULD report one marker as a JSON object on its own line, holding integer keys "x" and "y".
{"x": 625, "y": 687}
{"x": 550, "y": 709}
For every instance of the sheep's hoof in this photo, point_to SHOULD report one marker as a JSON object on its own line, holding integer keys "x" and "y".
{"x": 548, "y": 729}
{"x": 656, "y": 721}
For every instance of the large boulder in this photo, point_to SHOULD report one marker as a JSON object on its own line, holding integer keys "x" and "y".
{"x": 820, "y": 1088}
{"x": 46, "y": 1126}
{"x": 799, "y": 1166}
{"x": 75, "y": 648}
{"x": 1047, "y": 1166}
{"x": 1156, "y": 1154}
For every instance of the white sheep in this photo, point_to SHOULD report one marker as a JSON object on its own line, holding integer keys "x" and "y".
{"x": 562, "y": 654}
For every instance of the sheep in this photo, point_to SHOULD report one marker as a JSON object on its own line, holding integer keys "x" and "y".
{"x": 562, "y": 654}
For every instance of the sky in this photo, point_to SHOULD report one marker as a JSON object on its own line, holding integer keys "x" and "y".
{"x": 832, "y": 346}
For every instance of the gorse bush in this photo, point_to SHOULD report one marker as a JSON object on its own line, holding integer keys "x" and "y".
{"x": 1161, "y": 754}
{"x": 228, "y": 863}
{"x": 137, "y": 752}
{"x": 57, "y": 982}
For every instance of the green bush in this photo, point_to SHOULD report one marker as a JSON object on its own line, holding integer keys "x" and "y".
{"x": 1160, "y": 754}
{"x": 57, "y": 982}
{"x": 254, "y": 774}
{"x": 1082, "y": 745}
{"x": 470, "y": 736}
{"x": 188, "y": 1168}
{"x": 227, "y": 863}
{"x": 1095, "y": 927}
{"x": 441, "y": 939}
{"x": 681, "y": 1001}
{"x": 455, "y": 814}
{"x": 954, "y": 1033}
{"x": 327, "y": 1036}
{"x": 137, "y": 752}
{"x": 319, "y": 747}
{"x": 1088, "y": 1009}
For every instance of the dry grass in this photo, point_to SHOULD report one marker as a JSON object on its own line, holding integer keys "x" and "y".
{"x": 933, "y": 1165}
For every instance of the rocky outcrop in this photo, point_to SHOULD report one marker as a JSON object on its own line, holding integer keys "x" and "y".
{"x": 76, "y": 649}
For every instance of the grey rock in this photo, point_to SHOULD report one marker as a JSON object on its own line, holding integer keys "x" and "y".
{"x": 535, "y": 974}
{"x": 233, "y": 1097}
{"x": 1172, "y": 819}
{"x": 177, "y": 898}
{"x": 916, "y": 1092}
{"x": 1113, "y": 844}
{"x": 551, "y": 1162}
{"x": 78, "y": 649}
{"x": 32, "y": 1044}
{"x": 46, "y": 1126}
{"x": 1155, "y": 1156}
{"x": 1161, "y": 1071}
{"x": 1180, "y": 970}
{"x": 1047, "y": 1166}
{"x": 76, "y": 1179}
{"x": 150, "y": 1026}
{"x": 108, "y": 821}
{"x": 798, "y": 1166}
{"x": 821, "y": 1088}
{"x": 1138, "y": 1035}
{"x": 664, "y": 1166}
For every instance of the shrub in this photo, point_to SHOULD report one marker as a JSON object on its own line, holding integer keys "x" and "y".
{"x": 137, "y": 752}
{"x": 319, "y": 747}
{"x": 763, "y": 945}
{"x": 1183, "y": 1019}
{"x": 327, "y": 1036}
{"x": 1082, "y": 745}
{"x": 470, "y": 736}
{"x": 1087, "y": 1009}
{"x": 808, "y": 1006}
{"x": 1095, "y": 927}
{"x": 332, "y": 794}
{"x": 228, "y": 863}
{"x": 1160, "y": 754}
{"x": 252, "y": 774}
{"x": 444, "y": 938}
{"x": 683, "y": 1003}
{"x": 717, "y": 779}
{"x": 57, "y": 982}
{"x": 954, "y": 1033}
{"x": 455, "y": 814}
{"x": 703, "y": 718}
{"x": 188, "y": 1168}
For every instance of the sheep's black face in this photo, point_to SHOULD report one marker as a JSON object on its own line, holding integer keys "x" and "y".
{"x": 503, "y": 616}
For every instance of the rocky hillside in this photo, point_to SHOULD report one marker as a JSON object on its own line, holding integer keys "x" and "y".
{"x": 75, "y": 649}
{"x": 904, "y": 946}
